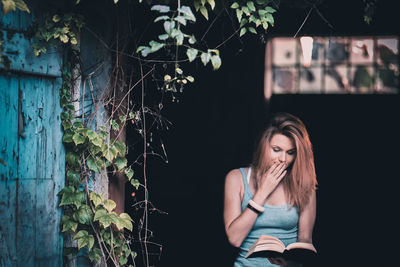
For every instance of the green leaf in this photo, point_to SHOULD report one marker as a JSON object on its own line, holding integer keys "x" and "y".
{"x": 205, "y": 58}
{"x": 78, "y": 139}
{"x": 84, "y": 239}
{"x": 212, "y": 4}
{"x": 67, "y": 125}
{"x": 95, "y": 254}
{"x": 161, "y": 18}
{"x": 103, "y": 217}
{"x": 235, "y": 5}
{"x": 252, "y": 30}
{"x": 68, "y": 224}
{"x": 135, "y": 183}
{"x": 243, "y": 22}
{"x": 190, "y": 78}
{"x": 155, "y": 46}
{"x": 120, "y": 147}
{"x": 73, "y": 178}
{"x": 168, "y": 26}
{"x": 192, "y": 39}
{"x": 265, "y": 25}
{"x": 242, "y": 31}
{"x": 140, "y": 48}
{"x": 252, "y": 18}
{"x": 163, "y": 37}
{"x": 239, "y": 14}
{"x": 97, "y": 141}
{"x": 161, "y": 8}
{"x": 97, "y": 199}
{"x": 124, "y": 221}
{"x": 84, "y": 214}
{"x": 269, "y": 9}
{"x": 8, "y": 6}
{"x": 110, "y": 153}
{"x": 216, "y": 62}
{"x": 251, "y": 6}
{"x": 110, "y": 205}
{"x": 123, "y": 260}
{"x": 91, "y": 134}
{"x": 72, "y": 159}
{"x": 245, "y": 10}
{"x": 146, "y": 51}
{"x": 114, "y": 124}
{"x": 129, "y": 173}
{"x": 204, "y": 12}
{"x": 72, "y": 197}
{"x": 191, "y": 54}
{"x": 78, "y": 124}
{"x": 187, "y": 13}
{"x": 270, "y": 19}
{"x": 91, "y": 163}
{"x": 179, "y": 70}
{"x": 67, "y": 138}
{"x": 121, "y": 163}
{"x": 179, "y": 38}
{"x": 180, "y": 19}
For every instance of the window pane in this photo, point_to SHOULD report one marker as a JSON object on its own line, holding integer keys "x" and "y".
{"x": 336, "y": 80}
{"x": 284, "y": 80}
{"x": 387, "y": 80}
{"x": 387, "y": 49}
{"x": 362, "y": 79}
{"x": 284, "y": 51}
{"x": 362, "y": 51}
{"x": 310, "y": 80}
{"x": 337, "y": 51}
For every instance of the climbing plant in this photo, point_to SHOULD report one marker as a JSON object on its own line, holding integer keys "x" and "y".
{"x": 89, "y": 216}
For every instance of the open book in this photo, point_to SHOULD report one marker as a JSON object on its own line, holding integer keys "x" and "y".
{"x": 270, "y": 246}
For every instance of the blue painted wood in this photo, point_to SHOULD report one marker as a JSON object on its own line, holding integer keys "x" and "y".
{"x": 18, "y": 56}
{"x": 31, "y": 150}
{"x": 16, "y": 21}
{"x": 9, "y": 126}
{"x": 29, "y": 213}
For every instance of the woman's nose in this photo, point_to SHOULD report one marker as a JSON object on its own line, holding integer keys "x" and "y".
{"x": 282, "y": 157}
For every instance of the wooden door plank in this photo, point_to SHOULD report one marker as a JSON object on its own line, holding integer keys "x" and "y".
{"x": 19, "y": 56}
{"x": 25, "y": 224}
{"x": 8, "y": 243}
{"x": 8, "y": 126}
{"x": 48, "y": 243}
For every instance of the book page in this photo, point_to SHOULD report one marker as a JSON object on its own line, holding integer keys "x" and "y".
{"x": 269, "y": 239}
{"x": 269, "y": 246}
{"x": 301, "y": 245}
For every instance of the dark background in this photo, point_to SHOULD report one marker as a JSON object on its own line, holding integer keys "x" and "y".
{"x": 355, "y": 140}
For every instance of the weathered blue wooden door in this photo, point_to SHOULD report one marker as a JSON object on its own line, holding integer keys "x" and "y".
{"x": 32, "y": 157}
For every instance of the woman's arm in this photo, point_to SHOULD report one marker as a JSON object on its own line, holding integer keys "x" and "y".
{"x": 237, "y": 224}
{"x": 307, "y": 220}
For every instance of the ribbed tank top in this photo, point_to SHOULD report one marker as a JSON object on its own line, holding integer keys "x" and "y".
{"x": 278, "y": 221}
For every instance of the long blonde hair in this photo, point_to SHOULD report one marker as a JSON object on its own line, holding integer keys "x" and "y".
{"x": 301, "y": 178}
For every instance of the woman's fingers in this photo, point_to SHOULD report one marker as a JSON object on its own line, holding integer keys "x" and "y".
{"x": 273, "y": 168}
{"x": 279, "y": 169}
{"x": 280, "y": 177}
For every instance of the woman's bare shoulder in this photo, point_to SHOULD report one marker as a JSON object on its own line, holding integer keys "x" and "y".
{"x": 234, "y": 177}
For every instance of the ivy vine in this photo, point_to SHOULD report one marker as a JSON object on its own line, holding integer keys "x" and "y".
{"x": 89, "y": 216}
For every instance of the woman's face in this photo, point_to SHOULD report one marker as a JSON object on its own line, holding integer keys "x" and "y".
{"x": 282, "y": 149}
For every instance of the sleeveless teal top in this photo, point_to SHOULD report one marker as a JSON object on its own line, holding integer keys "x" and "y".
{"x": 278, "y": 221}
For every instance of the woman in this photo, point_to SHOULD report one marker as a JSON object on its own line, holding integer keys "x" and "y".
{"x": 276, "y": 194}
